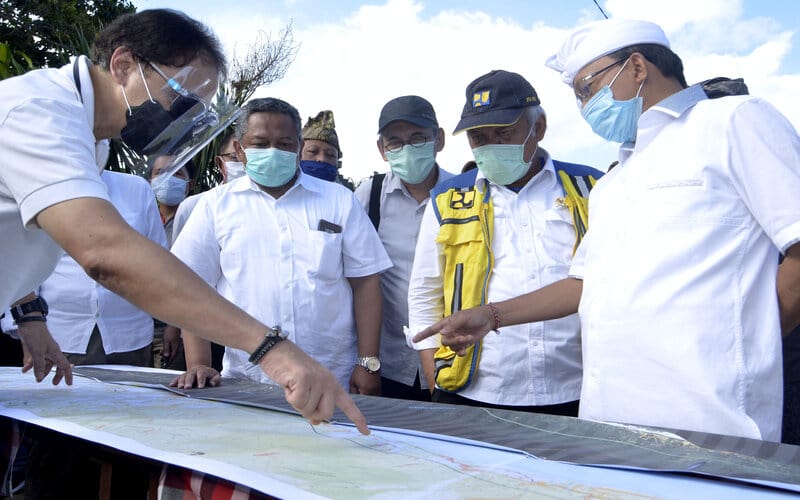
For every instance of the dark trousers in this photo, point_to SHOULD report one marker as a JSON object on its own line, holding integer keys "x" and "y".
{"x": 569, "y": 409}
{"x": 96, "y": 355}
{"x": 396, "y": 390}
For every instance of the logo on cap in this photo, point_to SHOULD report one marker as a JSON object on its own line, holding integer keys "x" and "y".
{"x": 482, "y": 98}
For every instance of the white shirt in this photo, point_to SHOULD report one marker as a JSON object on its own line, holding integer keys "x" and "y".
{"x": 48, "y": 156}
{"x": 182, "y": 214}
{"x": 526, "y": 365}
{"x": 78, "y": 303}
{"x": 401, "y": 216}
{"x": 679, "y": 312}
{"x": 267, "y": 257}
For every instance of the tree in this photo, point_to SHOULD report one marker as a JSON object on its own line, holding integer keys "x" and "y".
{"x": 49, "y": 31}
{"x": 265, "y": 62}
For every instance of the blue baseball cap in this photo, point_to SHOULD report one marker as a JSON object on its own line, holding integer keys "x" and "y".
{"x": 496, "y": 99}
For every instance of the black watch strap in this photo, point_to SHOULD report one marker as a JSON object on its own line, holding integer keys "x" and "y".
{"x": 36, "y": 305}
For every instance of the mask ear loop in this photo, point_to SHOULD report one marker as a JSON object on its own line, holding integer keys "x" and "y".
{"x": 124, "y": 96}
{"x": 619, "y": 72}
{"x": 533, "y": 126}
{"x": 126, "y": 99}
{"x": 141, "y": 72}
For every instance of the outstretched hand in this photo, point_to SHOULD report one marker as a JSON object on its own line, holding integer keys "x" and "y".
{"x": 197, "y": 376}
{"x": 308, "y": 386}
{"x": 461, "y": 329}
{"x": 43, "y": 353}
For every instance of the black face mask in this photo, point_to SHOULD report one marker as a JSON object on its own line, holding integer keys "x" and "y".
{"x": 147, "y": 120}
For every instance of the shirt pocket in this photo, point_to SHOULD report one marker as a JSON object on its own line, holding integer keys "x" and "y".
{"x": 558, "y": 240}
{"x": 326, "y": 249}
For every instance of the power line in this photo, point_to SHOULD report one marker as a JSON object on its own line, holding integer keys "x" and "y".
{"x": 601, "y": 9}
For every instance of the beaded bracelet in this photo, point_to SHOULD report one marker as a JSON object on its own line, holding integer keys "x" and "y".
{"x": 28, "y": 319}
{"x": 496, "y": 315}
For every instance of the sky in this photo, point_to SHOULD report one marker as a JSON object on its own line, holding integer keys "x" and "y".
{"x": 355, "y": 56}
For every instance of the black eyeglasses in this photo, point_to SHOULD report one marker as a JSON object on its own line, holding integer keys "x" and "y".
{"x": 581, "y": 88}
{"x": 416, "y": 141}
{"x": 229, "y": 156}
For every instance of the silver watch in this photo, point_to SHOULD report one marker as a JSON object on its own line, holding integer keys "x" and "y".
{"x": 370, "y": 363}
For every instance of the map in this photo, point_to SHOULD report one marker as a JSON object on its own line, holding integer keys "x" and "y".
{"x": 283, "y": 455}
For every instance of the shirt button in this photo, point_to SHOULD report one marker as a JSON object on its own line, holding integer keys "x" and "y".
{"x": 524, "y": 223}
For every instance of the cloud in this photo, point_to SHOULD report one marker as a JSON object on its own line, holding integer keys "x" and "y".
{"x": 354, "y": 63}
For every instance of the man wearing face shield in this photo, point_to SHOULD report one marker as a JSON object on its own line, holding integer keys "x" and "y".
{"x": 150, "y": 81}
{"x": 293, "y": 250}
{"x": 681, "y": 298}
{"x": 409, "y": 139}
{"x": 510, "y": 225}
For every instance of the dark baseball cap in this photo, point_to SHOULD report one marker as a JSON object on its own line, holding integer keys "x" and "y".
{"x": 496, "y": 99}
{"x": 408, "y": 108}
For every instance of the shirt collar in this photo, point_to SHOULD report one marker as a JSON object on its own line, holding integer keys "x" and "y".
{"x": 679, "y": 102}
{"x": 310, "y": 183}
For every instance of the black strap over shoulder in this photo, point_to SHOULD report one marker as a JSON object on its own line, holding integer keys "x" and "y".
{"x": 76, "y": 75}
{"x": 375, "y": 200}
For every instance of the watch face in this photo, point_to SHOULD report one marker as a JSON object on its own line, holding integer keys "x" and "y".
{"x": 373, "y": 364}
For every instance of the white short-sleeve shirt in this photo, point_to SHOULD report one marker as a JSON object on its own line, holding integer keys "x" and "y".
{"x": 78, "y": 303}
{"x": 534, "y": 364}
{"x": 48, "y": 156}
{"x": 270, "y": 258}
{"x": 679, "y": 309}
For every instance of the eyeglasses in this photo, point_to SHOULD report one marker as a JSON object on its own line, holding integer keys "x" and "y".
{"x": 416, "y": 141}
{"x": 177, "y": 87}
{"x": 581, "y": 88}
{"x": 229, "y": 156}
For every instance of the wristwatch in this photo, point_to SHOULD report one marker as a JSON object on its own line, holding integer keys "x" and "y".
{"x": 36, "y": 305}
{"x": 370, "y": 363}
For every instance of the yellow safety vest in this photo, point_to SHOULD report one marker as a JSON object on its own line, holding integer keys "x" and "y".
{"x": 466, "y": 227}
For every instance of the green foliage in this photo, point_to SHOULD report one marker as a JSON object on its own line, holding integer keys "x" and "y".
{"x": 50, "y": 31}
{"x": 13, "y": 62}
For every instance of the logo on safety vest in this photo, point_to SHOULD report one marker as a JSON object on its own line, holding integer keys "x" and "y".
{"x": 462, "y": 199}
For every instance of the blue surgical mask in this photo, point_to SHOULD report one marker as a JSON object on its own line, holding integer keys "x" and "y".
{"x": 412, "y": 163}
{"x": 503, "y": 164}
{"x": 270, "y": 167}
{"x": 319, "y": 169}
{"x": 233, "y": 170}
{"x": 172, "y": 191}
{"x": 613, "y": 120}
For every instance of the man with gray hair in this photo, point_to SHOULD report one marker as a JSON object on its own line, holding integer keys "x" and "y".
{"x": 681, "y": 298}
{"x": 292, "y": 250}
{"x": 510, "y": 225}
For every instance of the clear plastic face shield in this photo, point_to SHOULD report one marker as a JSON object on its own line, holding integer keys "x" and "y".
{"x": 198, "y": 112}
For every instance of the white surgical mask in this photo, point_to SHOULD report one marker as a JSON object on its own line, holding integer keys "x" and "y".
{"x": 172, "y": 191}
{"x": 234, "y": 170}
